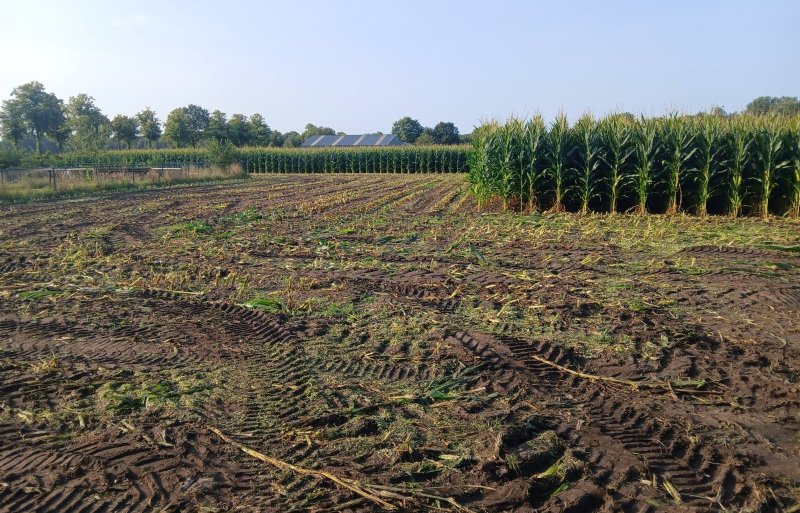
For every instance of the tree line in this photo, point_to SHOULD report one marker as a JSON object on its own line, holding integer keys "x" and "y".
{"x": 37, "y": 119}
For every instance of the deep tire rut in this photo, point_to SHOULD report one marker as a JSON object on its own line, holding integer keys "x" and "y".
{"x": 696, "y": 470}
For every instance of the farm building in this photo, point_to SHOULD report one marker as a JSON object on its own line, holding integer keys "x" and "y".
{"x": 349, "y": 141}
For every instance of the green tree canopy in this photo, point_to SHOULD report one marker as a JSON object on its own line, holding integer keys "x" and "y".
{"x": 293, "y": 139}
{"x": 407, "y": 129}
{"x": 89, "y": 127}
{"x": 315, "y": 130}
{"x": 218, "y": 126}
{"x": 197, "y": 122}
{"x": 426, "y": 138}
{"x": 446, "y": 133}
{"x": 176, "y": 129}
{"x": 239, "y": 130}
{"x": 149, "y": 126}
{"x": 42, "y": 113}
{"x": 187, "y": 125}
{"x": 12, "y": 123}
{"x": 259, "y": 131}
{"x": 783, "y": 106}
{"x": 276, "y": 139}
{"x": 123, "y": 128}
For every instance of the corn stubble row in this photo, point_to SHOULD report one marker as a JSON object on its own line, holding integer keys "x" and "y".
{"x": 699, "y": 164}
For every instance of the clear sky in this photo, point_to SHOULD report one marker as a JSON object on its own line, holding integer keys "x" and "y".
{"x": 357, "y": 66}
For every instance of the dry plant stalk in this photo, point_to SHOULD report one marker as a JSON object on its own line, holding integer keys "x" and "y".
{"x": 665, "y": 386}
{"x": 350, "y": 484}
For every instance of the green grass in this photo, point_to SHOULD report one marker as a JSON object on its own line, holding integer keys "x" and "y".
{"x": 268, "y": 304}
{"x": 33, "y": 295}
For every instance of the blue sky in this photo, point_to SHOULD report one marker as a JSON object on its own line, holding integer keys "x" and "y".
{"x": 359, "y": 65}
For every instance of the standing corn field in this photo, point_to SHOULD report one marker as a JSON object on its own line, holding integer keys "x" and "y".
{"x": 699, "y": 164}
{"x": 395, "y": 159}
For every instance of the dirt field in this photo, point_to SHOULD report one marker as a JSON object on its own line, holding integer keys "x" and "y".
{"x": 377, "y": 329}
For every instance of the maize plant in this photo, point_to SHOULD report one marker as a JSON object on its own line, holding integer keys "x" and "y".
{"x": 507, "y": 145}
{"x": 616, "y": 140}
{"x": 482, "y": 181}
{"x": 739, "y": 136}
{"x": 587, "y": 158}
{"x": 535, "y": 132}
{"x": 708, "y": 150}
{"x": 767, "y": 153}
{"x": 558, "y": 148}
{"x": 644, "y": 143}
{"x": 793, "y": 146}
{"x": 676, "y": 140}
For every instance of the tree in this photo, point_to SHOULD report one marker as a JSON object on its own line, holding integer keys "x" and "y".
{"x": 239, "y": 130}
{"x": 42, "y": 113}
{"x": 445, "y": 133}
{"x": 719, "y": 111}
{"x": 176, "y": 129}
{"x": 187, "y": 125}
{"x": 407, "y": 129}
{"x": 123, "y": 128}
{"x": 784, "y": 106}
{"x": 61, "y": 136}
{"x": 426, "y": 138}
{"x": 197, "y": 119}
{"x": 276, "y": 139}
{"x": 218, "y": 126}
{"x": 293, "y": 139}
{"x": 12, "y": 123}
{"x": 89, "y": 127}
{"x": 259, "y": 131}
{"x": 149, "y": 126}
{"x": 315, "y": 130}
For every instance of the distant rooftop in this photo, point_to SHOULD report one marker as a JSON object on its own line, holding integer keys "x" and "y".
{"x": 342, "y": 141}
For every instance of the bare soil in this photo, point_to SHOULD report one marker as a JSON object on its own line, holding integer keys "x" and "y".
{"x": 383, "y": 331}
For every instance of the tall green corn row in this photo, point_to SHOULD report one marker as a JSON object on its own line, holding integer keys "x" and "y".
{"x": 399, "y": 159}
{"x": 676, "y": 139}
{"x": 793, "y": 167}
{"x": 587, "y": 159}
{"x": 738, "y": 138}
{"x": 704, "y": 164}
{"x": 616, "y": 134}
{"x": 558, "y": 148}
{"x": 644, "y": 153}
{"x": 709, "y": 161}
{"x": 768, "y": 154}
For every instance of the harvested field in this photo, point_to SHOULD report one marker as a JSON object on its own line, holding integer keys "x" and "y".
{"x": 384, "y": 346}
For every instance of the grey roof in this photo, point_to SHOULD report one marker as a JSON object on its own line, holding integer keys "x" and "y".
{"x": 339, "y": 141}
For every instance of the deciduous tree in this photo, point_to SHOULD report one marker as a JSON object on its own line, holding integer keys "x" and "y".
{"x": 407, "y": 129}
{"x": 149, "y": 126}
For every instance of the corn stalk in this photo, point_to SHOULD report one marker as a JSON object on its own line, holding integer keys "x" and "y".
{"x": 709, "y": 148}
{"x": 644, "y": 142}
{"x": 587, "y": 158}
{"x": 676, "y": 139}
{"x": 616, "y": 139}
{"x": 767, "y": 152}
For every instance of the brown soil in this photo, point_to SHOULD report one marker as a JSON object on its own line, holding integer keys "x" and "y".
{"x": 379, "y": 329}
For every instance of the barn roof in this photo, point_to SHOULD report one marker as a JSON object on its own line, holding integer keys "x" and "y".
{"x": 338, "y": 141}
